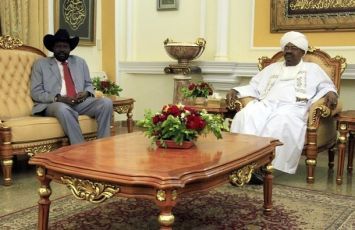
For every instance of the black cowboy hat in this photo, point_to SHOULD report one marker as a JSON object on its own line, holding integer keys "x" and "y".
{"x": 61, "y": 35}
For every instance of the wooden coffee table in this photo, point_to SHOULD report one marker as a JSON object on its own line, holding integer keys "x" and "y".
{"x": 128, "y": 165}
{"x": 346, "y": 125}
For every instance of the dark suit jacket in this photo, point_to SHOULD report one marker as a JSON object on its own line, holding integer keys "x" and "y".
{"x": 46, "y": 81}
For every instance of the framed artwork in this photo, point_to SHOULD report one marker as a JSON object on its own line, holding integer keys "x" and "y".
{"x": 78, "y": 17}
{"x": 167, "y": 4}
{"x": 312, "y": 15}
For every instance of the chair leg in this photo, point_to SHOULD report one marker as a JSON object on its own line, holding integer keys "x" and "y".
{"x": 311, "y": 165}
{"x": 311, "y": 154}
{"x": 6, "y": 170}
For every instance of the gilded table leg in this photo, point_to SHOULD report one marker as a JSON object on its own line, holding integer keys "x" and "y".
{"x": 130, "y": 121}
{"x": 351, "y": 152}
{"x": 268, "y": 177}
{"x": 112, "y": 125}
{"x": 341, "y": 151}
{"x": 166, "y": 200}
{"x": 331, "y": 153}
{"x": 44, "y": 202}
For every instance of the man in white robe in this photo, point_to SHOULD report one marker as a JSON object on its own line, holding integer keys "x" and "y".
{"x": 283, "y": 93}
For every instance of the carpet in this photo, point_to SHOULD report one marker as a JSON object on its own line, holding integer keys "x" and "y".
{"x": 225, "y": 207}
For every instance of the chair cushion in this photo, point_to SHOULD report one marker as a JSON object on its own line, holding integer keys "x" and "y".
{"x": 37, "y": 128}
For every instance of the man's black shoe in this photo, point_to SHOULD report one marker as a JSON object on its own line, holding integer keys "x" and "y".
{"x": 256, "y": 179}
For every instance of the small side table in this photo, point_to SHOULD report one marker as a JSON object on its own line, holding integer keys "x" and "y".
{"x": 220, "y": 109}
{"x": 346, "y": 125}
{"x": 123, "y": 105}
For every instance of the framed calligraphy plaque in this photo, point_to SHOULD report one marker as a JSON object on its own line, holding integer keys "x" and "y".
{"x": 167, "y": 4}
{"x": 78, "y": 17}
{"x": 312, "y": 15}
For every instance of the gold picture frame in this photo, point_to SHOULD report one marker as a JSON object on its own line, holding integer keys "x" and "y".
{"x": 312, "y": 15}
{"x": 167, "y": 4}
{"x": 78, "y": 17}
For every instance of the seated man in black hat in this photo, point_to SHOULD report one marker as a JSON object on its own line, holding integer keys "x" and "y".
{"x": 61, "y": 87}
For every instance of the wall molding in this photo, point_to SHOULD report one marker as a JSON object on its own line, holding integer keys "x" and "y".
{"x": 222, "y": 75}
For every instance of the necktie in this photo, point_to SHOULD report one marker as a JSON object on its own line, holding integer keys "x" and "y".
{"x": 68, "y": 80}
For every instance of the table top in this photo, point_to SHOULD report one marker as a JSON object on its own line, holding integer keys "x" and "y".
{"x": 348, "y": 116}
{"x": 131, "y": 159}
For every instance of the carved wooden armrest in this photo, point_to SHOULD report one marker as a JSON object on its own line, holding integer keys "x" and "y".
{"x": 238, "y": 104}
{"x": 319, "y": 110}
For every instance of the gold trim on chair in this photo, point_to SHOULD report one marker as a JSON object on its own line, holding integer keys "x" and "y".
{"x": 8, "y": 42}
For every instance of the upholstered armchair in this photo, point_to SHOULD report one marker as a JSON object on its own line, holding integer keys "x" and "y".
{"x": 321, "y": 127}
{"x": 21, "y": 133}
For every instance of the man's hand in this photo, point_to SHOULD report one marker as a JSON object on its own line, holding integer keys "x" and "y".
{"x": 81, "y": 96}
{"x": 67, "y": 100}
{"x": 231, "y": 95}
{"x": 331, "y": 100}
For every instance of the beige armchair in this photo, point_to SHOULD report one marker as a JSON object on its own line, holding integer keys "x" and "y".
{"x": 321, "y": 127}
{"x": 20, "y": 132}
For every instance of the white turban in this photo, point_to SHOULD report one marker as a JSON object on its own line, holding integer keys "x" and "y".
{"x": 296, "y": 38}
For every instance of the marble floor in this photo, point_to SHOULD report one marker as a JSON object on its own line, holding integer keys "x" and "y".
{"x": 23, "y": 193}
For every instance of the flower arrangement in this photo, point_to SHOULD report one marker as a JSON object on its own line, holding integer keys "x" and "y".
{"x": 181, "y": 123}
{"x": 201, "y": 89}
{"x": 106, "y": 86}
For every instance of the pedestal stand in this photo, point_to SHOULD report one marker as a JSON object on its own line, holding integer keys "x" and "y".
{"x": 182, "y": 78}
{"x": 180, "y": 81}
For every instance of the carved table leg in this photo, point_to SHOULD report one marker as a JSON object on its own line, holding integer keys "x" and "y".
{"x": 166, "y": 200}
{"x": 331, "y": 153}
{"x": 44, "y": 202}
{"x": 268, "y": 177}
{"x": 351, "y": 152}
{"x": 112, "y": 124}
{"x": 130, "y": 121}
{"x": 341, "y": 152}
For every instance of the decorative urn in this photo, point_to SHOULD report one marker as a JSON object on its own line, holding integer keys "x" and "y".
{"x": 184, "y": 53}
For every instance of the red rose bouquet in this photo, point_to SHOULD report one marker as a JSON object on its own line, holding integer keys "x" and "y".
{"x": 181, "y": 123}
{"x": 201, "y": 89}
{"x": 106, "y": 86}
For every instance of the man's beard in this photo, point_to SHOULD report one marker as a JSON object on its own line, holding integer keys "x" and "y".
{"x": 61, "y": 56}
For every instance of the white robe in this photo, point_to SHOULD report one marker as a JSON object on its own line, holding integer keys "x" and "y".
{"x": 276, "y": 113}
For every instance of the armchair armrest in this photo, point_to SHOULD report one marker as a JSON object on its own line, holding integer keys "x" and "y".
{"x": 238, "y": 104}
{"x": 319, "y": 110}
